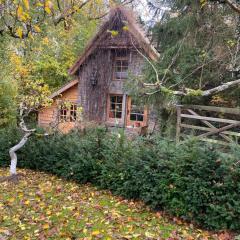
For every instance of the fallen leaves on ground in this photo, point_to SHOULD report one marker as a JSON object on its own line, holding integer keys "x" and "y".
{"x": 43, "y": 207}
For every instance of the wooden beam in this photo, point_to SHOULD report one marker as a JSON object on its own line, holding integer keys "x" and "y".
{"x": 208, "y": 129}
{"x": 216, "y": 131}
{"x": 221, "y": 120}
{"x": 178, "y": 127}
{"x": 235, "y": 111}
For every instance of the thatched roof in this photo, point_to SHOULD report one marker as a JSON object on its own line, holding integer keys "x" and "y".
{"x": 127, "y": 16}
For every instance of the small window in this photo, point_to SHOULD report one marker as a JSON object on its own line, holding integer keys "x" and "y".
{"x": 68, "y": 112}
{"x": 115, "y": 106}
{"x": 73, "y": 113}
{"x": 121, "y": 66}
{"x": 137, "y": 113}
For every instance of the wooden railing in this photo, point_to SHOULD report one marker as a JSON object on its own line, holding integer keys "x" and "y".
{"x": 223, "y": 128}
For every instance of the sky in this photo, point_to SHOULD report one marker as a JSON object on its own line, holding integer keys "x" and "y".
{"x": 143, "y": 11}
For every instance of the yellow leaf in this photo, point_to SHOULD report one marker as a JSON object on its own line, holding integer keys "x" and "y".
{"x": 49, "y": 212}
{"x": 27, "y": 202}
{"x": 11, "y": 200}
{"x": 26, "y": 4}
{"x": 46, "y": 226}
{"x": 45, "y": 41}
{"x": 149, "y": 235}
{"x": 113, "y": 33}
{"x": 39, "y": 4}
{"x": 22, "y": 226}
{"x": 95, "y": 233}
{"x": 48, "y": 10}
{"x": 203, "y": 3}
{"x": 125, "y": 28}
{"x": 20, "y": 11}
{"x": 37, "y": 28}
{"x": 19, "y": 32}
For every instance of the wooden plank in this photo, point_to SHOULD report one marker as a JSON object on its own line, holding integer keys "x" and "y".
{"x": 216, "y": 131}
{"x": 235, "y": 111}
{"x": 210, "y": 125}
{"x": 221, "y": 120}
{"x": 208, "y": 129}
{"x": 178, "y": 127}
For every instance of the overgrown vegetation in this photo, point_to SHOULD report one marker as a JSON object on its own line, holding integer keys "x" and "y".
{"x": 193, "y": 181}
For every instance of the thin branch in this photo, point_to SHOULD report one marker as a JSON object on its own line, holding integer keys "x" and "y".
{"x": 146, "y": 58}
{"x": 235, "y": 6}
{"x": 69, "y": 12}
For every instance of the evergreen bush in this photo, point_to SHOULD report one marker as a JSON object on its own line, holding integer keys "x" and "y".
{"x": 194, "y": 181}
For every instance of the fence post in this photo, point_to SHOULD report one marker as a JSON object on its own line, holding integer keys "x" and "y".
{"x": 178, "y": 127}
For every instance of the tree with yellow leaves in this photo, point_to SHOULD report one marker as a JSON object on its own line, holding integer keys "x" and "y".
{"x": 25, "y": 18}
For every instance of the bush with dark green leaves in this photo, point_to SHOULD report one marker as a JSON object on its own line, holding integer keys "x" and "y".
{"x": 194, "y": 181}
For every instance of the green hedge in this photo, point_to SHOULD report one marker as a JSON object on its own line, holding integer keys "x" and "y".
{"x": 193, "y": 180}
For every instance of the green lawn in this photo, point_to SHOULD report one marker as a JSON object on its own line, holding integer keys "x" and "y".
{"x": 43, "y": 206}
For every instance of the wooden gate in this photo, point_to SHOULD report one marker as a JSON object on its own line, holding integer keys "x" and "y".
{"x": 211, "y": 124}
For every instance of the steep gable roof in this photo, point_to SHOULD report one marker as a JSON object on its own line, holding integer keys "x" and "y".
{"x": 126, "y": 16}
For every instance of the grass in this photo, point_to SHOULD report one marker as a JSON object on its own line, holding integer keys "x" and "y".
{"x": 43, "y": 206}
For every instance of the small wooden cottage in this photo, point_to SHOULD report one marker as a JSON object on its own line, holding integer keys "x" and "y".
{"x": 116, "y": 52}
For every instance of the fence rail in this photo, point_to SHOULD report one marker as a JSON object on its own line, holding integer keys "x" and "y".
{"x": 210, "y": 129}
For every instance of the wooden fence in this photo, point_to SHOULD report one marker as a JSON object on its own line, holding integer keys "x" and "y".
{"x": 212, "y": 124}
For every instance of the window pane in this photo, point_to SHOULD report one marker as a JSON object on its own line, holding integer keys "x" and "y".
{"x": 125, "y": 63}
{"x": 112, "y": 99}
{"x": 73, "y": 113}
{"x": 119, "y": 99}
{"x": 139, "y": 118}
{"x": 117, "y": 75}
{"x": 112, "y": 106}
{"x": 122, "y": 53}
{"x": 118, "y": 69}
{"x": 118, "y": 114}
{"x": 133, "y": 117}
{"x": 123, "y": 75}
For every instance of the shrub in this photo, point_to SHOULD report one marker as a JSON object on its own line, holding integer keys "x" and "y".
{"x": 192, "y": 180}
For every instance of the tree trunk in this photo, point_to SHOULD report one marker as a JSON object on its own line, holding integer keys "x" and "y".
{"x": 13, "y": 155}
{"x": 27, "y": 134}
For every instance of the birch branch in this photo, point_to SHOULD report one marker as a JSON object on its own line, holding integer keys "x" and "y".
{"x": 189, "y": 92}
{"x": 21, "y": 143}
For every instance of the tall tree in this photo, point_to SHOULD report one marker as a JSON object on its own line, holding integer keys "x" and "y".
{"x": 199, "y": 48}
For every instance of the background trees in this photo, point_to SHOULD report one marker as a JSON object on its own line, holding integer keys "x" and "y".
{"x": 199, "y": 46}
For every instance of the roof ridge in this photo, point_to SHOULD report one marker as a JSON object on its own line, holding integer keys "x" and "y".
{"x": 134, "y": 29}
